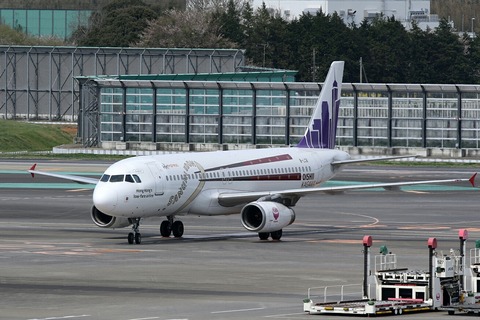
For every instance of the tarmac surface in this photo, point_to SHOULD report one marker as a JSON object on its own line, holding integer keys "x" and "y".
{"x": 56, "y": 264}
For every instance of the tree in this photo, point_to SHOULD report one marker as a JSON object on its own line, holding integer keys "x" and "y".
{"x": 229, "y": 22}
{"x": 388, "y": 46}
{"x": 447, "y": 56}
{"x": 212, "y": 5}
{"x": 184, "y": 29}
{"x": 256, "y": 44}
{"x": 9, "y": 36}
{"x": 473, "y": 54}
{"x": 308, "y": 43}
{"x": 118, "y": 24}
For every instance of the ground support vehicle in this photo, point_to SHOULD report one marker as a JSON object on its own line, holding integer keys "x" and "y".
{"x": 393, "y": 290}
{"x": 465, "y": 298}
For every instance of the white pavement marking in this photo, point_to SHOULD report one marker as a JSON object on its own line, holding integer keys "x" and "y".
{"x": 64, "y": 317}
{"x": 238, "y": 310}
{"x": 150, "y": 318}
{"x": 284, "y": 315}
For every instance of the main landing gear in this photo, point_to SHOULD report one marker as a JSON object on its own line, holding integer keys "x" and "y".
{"x": 276, "y": 235}
{"x": 169, "y": 226}
{"x": 135, "y": 235}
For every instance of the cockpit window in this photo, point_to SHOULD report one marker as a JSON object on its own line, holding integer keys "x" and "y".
{"x": 117, "y": 178}
{"x": 131, "y": 178}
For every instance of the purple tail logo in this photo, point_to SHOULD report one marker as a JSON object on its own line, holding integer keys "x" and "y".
{"x": 322, "y": 130}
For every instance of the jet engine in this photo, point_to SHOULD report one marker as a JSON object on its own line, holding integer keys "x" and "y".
{"x": 266, "y": 216}
{"x": 105, "y": 221}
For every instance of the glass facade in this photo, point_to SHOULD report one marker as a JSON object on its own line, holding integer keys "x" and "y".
{"x": 263, "y": 114}
{"x": 238, "y": 116}
{"x": 45, "y": 23}
{"x": 111, "y": 114}
{"x": 171, "y": 110}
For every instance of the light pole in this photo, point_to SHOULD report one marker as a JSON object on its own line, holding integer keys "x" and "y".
{"x": 473, "y": 34}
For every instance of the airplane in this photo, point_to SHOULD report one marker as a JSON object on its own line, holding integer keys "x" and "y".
{"x": 262, "y": 185}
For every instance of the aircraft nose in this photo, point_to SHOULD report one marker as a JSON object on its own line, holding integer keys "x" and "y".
{"x": 105, "y": 199}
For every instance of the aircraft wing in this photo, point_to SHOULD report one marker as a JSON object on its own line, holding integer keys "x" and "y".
{"x": 236, "y": 198}
{"x": 79, "y": 179}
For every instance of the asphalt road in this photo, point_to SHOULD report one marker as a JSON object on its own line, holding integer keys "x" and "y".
{"x": 56, "y": 264}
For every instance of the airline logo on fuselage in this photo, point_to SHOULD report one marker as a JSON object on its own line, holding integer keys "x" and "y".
{"x": 169, "y": 166}
{"x": 180, "y": 191}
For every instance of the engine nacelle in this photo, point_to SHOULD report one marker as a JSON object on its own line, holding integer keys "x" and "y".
{"x": 266, "y": 216}
{"x": 105, "y": 221}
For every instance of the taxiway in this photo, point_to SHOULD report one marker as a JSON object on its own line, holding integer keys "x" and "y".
{"x": 56, "y": 264}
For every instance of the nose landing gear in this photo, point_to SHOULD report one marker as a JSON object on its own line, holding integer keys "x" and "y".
{"x": 166, "y": 229}
{"x": 135, "y": 235}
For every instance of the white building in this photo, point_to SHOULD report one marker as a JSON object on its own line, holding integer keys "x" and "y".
{"x": 356, "y": 11}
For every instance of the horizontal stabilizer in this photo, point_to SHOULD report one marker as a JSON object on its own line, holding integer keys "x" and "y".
{"x": 350, "y": 161}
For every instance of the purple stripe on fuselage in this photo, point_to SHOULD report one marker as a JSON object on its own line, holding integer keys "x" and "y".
{"x": 281, "y": 157}
{"x": 267, "y": 177}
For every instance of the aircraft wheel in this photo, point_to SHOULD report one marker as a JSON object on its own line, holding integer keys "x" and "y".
{"x": 177, "y": 229}
{"x": 276, "y": 235}
{"x": 165, "y": 229}
{"x": 138, "y": 238}
{"x": 263, "y": 235}
{"x": 131, "y": 238}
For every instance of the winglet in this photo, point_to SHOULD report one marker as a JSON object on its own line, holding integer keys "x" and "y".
{"x": 472, "y": 179}
{"x": 32, "y": 169}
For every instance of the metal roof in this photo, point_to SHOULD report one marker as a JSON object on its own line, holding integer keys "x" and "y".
{"x": 263, "y": 85}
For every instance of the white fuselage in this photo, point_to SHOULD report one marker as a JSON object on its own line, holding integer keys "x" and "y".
{"x": 190, "y": 183}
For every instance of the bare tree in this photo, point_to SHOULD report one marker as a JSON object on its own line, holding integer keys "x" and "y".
{"x": 184, "y": 29}
{"x": 212, "y": 5}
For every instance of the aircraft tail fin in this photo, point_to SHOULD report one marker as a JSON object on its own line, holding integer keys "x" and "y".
{"x": 322, "y": 129}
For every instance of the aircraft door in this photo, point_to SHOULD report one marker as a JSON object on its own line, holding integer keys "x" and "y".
{"x": 158, "y": 177}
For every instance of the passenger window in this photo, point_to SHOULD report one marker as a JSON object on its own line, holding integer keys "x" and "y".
{"x": 117, "y": 178}
{"x": 137, "y": 178}
{"x": 105, "y": 178}
{"x": 129, "y": 178}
